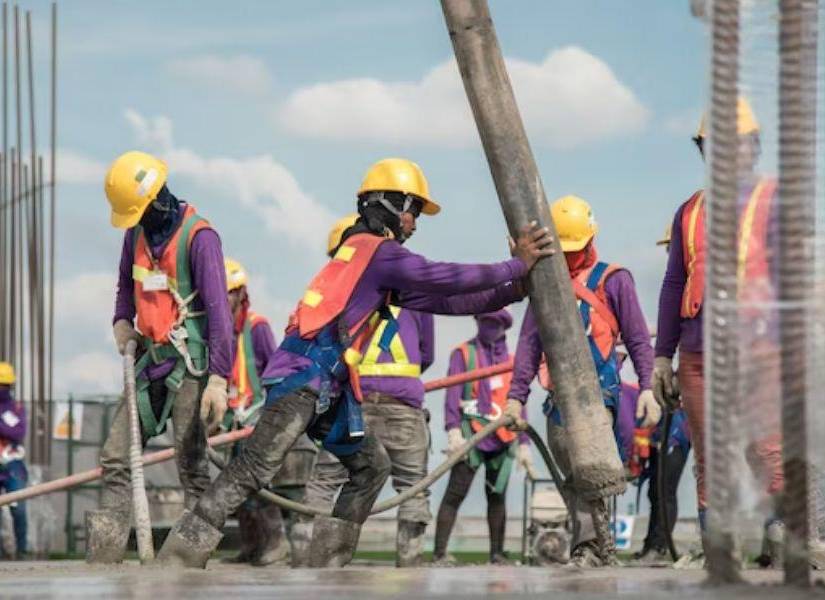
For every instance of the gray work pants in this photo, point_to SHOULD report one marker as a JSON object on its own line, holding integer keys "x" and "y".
{"x": 280, "y": 425}
{"x": 190, "y": 446}
{"x": 403, "y": 432}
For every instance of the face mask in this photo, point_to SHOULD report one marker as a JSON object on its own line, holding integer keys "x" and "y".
{"x": 489, "y": 331}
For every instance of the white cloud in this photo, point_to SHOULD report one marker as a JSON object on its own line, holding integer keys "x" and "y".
{"x": 87, "y": 301}
{"x": 75, "y": 167}
{"x": 89, "y": 373}
{"x": 260, "y": 183}
{"x": 243, "y": 74}
{"x": 569, "y": 99}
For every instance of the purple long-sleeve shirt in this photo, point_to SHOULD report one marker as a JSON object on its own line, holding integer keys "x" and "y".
{"x": 208, "y": 277}
{"x": 624, "y": 303}
{"x": 487, "y": 355}
{"x": 12, "y": 418}
{"x": 419, "y": 284}
{"x": 671, "y": 329}
{"x": 417, "y": 333}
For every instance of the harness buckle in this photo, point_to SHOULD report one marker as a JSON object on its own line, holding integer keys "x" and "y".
{"x": 177, "y": 337}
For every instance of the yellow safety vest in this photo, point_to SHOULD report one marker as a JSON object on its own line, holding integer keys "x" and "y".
{"x": 399, "y": 366}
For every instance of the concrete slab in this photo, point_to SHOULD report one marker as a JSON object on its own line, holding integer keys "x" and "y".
{"x": 74, "y": 579}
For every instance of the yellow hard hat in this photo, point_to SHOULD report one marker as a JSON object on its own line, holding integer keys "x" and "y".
{"x": 666, "y": 238}
{"x": 399, "y": 175}
{"x": 745, "y": 120}
{"x": 7, "y": 374}
{"x": 337, "y": 231}
{"x": 235, "y": 274}
{"x": 574, "y": 221}
{"x": 132, "y": 183}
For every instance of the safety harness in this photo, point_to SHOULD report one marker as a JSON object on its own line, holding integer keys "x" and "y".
{"x": 185, "y": 339}
{"x": 245, "y": 379}
{"x": 399, "y": 366}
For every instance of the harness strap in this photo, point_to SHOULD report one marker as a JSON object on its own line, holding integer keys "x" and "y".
{"x": 471, "y": 365}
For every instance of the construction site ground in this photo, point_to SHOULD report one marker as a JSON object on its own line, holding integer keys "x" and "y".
{"x": 75, "y": 579}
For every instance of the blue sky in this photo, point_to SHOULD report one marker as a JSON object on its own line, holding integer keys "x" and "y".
{"x": 270, "y": 112}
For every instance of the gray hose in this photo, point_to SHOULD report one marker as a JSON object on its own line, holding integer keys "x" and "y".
{"x": 420, "y": 486}
{"x": 143, "y": 524}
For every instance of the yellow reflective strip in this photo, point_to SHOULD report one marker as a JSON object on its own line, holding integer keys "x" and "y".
{"x": 389, "y": 370}
{"x": 352, "y": 357}
{"x": 745, "y": 231}
{"x": 140, "y": 273}
{"x": 312, "y": 298}
{"x": 242, "y": 382}
{"x": 373, "y": 350}
{"x": 694, "y": 217}
{"x": 345, "y": 253}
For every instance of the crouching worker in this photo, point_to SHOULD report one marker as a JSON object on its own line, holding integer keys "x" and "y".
{"x": 312, "y": 379}
{"x": 171, "y": 283}
{"x": 266, "y": 532}
{"x": 467, "y": 409}
{"x": 609, "y": 308}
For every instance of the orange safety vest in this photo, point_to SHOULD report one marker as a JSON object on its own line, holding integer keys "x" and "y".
{"x": 753, "y": 264}
{"x": 603, "y": 331}
{"x": 327, "y": 297}
{"x": 498, "y": 395}
{"x": 157, "y": 310}
{"x": 244, "y": 372}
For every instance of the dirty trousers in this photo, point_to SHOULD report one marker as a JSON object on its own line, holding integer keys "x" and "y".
{"x": 763, "y": 439}
{"x": 189, "y": 441}
{"x": 280, "y": 425}
{"x": 403, "y": 432}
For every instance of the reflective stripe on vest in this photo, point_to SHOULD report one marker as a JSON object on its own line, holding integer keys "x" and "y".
{"x": 244, "y": 372}
{"x": 399, "y": 366}
{"x": 752, "y": 259}
{"x": 158, "y": 310}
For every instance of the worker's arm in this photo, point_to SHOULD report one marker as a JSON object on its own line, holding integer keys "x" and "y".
{"x": 624, "y": 303}
{"x": 452, "y": 397}
{"x": 465, "y": 304}
{"x": 125, "y": 295}
{"x": 263, "y": 344}
{"x": 528, "y": 358}
{"x": 668, "y": 326}
{"x": 426, "y": 339}
{"x": 209, "y": 278}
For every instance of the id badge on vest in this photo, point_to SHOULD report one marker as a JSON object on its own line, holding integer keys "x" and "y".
{"x": 156, "y": 281}
{"x": 496, "y": 383}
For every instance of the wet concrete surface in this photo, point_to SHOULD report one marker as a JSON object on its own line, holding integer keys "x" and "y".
{"x": 74, "y": 579}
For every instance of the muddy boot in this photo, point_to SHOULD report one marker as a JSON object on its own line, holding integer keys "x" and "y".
{"x": 190, "y": 542}
{"x": 107, "y": 533}
{"x": 409, "y": 543}
{"x": 248, "y": 533}
{"x": 274, "y": 546}
{"x": 299, "y": 539}
{"x": 333, "y": 542}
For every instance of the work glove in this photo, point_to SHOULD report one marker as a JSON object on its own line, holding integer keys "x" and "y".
{"x": 532, "y": 243}
{"x": 648, "y": 409}
{"x": 524, "y": 458}
{"x": 664, "y": 383}
{"x": 213, "y": 402}
{"x": 454, "y": 440}
{"x": 514, "y": 408}
{"x": 124, "y": 332}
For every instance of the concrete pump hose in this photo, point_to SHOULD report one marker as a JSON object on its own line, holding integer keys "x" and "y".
{"x": 143, "y": 523}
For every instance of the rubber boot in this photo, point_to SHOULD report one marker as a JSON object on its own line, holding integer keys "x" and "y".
{"x": 299, "y": 539}
{"x": 107, "y": 533}
{"x": 248, "y": 532}
{"x": 274, "y": 546}
{"x": 190, "y": 542}
{"x": 409, "y": 544}
{"x": 333, "y": 542}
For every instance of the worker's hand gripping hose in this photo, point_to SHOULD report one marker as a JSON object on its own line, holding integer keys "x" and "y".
{"x": 143, "y": 524}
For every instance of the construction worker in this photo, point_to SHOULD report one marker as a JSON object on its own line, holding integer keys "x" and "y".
{"x": 312, "y": 379}
{"x": 264, "y": 529}
{"x": 393, "y": 411}
{"x": 467, "y": 409}
{"x": 610, "y": 308}
{"x": 13, "y": 473}
{"x": 680, "y": 313}
{"x": 172, "y": 286}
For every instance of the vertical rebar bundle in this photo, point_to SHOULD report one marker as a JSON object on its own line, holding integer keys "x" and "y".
{"x": 721, "y": 309}
{"x": 797, "y": 217}
{"x": 27, "y": 234}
